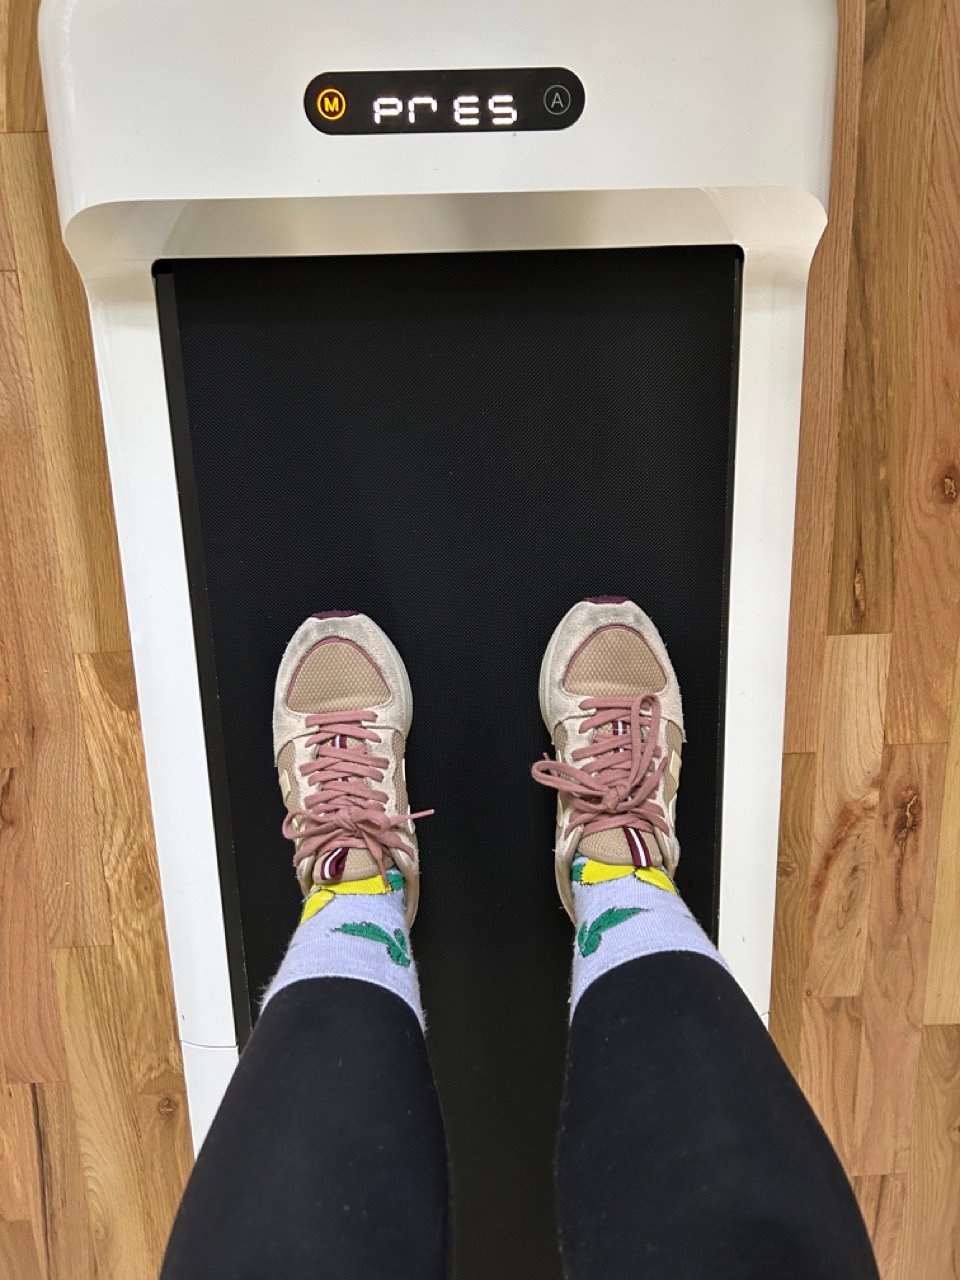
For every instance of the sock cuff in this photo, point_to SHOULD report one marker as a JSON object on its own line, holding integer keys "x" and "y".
{"x": 624, "y": 918}
{"x": 353, "y": 937}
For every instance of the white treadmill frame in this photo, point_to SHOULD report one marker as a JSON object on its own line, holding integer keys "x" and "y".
{"x": 178, "y": 131}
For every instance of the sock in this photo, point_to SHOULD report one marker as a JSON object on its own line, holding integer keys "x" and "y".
{"x": 623, "y": 912}
{"x": 353, "y": 929}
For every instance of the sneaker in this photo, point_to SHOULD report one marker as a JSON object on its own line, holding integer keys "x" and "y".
{"x": 341, "y": 714}
{"x": 610, "y": 698}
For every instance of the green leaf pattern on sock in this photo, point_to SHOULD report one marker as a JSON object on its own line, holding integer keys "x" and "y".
{"x": 396, "y": 943}
{"x": 591, "y": 935}
{"x": 398, "y": 952}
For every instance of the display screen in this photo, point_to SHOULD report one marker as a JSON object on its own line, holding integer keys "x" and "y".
{"x": 464, "y": 102}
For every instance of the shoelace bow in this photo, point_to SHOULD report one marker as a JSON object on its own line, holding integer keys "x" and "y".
{"x": 616, "y": 785}
{"x": 341, "y": 811}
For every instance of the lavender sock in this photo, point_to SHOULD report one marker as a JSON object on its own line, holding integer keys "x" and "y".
{"x": 353, "y": 930}
{"x": 621, "y": 914}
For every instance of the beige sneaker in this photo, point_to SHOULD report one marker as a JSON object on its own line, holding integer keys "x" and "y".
{"x": 341, "y": 714}
{"x": 610, "y": 698}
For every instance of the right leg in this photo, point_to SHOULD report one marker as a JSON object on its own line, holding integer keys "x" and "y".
{"x": 686, "y": 1150}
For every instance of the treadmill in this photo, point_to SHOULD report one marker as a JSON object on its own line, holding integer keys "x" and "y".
{"x": 486, "y": 310}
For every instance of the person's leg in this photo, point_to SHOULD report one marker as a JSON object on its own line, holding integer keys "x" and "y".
{"x": 685, "y": 1149}
{"x": 327, "y": 1156}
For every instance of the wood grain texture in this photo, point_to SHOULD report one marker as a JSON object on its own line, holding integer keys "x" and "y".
{"x": 824, "y": 356}
{"x": 67, "y": 1233}
{"x": 904, "y": 869}
{"x": 882, "y": 951}
{"x": 7, "y": 260}
{"x": 21, "y": 97}
{"x": 830, "y": 1041}
{"x": 112, "y": 729}
{"x": 898, "y": 102}
{"x": 58, "y": 340}
{"x": 31, "y": 1047}
{"x": 98, "y": 1055}
{"x": 22, "y": 1195}
{"x": 927, "y": 601}
{"x": 943, "y": 978}
{"x": 18, "y": 1252}
{"x": 845, "y": 807}
{"x": 69, "y": 870}
{"x": 931, "y": 1222}
{"x": 164, "y": 1134}
{"x": 881, "y": 1200}
{"x": 791, "y": 942}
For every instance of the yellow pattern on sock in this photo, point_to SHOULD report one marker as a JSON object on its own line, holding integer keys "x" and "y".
{"x": 323, "y": 894}
{"x": 592, "y": 872}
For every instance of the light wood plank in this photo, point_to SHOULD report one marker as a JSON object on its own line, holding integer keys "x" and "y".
{"x": 99, "y": 1071}
{"x": 31, "y": 1048}
{"x": 18, "y": 1252}
{"x": 164, "y": 1130}
{"x": 943, "y": 976}
{"x": 112, "y": 725}
{"x": 847, "y": 795}
{"x": 12, "y": 697}
{"x": 145, "y": 993}
{"x": 831, "y": 1035}
{"x": 21, "y": 96}
{"x": 931, "y": 1227}
{"x": 56, "y": 789}
{"x": 790, "y": 941}
{"x": 927, "y": 619}
{"x": 67, "y": 1233}
{"x": 896, "y": 127}
{"x": 31, "y": 1044}
{"x": 58, "y": 339}
{"x": 124, "y": 834}
{"x": 21, "y": 1182}
{"x": 881, "y": 1200}
{"x": 822, "y": 399}
{"x": 903, "y": 881}
{"x": 7, "y": 260}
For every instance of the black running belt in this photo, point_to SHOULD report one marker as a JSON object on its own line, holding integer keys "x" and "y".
{"x": 462, "y": 446}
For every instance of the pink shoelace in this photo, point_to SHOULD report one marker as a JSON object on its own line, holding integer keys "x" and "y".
{"x": 616, "y": 785}
{"x": 341, "y": 811}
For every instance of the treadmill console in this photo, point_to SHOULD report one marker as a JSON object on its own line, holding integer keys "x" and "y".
{"x": 465, "y": 102}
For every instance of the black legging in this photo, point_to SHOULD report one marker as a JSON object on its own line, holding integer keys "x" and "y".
{"x": 686, "y": 1151}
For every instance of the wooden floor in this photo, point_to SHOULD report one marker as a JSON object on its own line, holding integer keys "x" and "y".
{"x": 93, "y": 1133}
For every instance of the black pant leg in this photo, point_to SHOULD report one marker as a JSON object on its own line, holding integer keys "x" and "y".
{"x": 327, "y": 1157}
{"x": 686, "y": 1149}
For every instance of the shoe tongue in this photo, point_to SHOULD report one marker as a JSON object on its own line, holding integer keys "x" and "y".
{"x": 360, "y": 865}
{"x": 620, "y": 846}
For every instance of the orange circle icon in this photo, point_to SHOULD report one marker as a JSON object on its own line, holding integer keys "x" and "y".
{"x": 331, "y": 104}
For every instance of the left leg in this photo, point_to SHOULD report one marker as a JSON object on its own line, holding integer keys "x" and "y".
{"x": 327, "y": 1156}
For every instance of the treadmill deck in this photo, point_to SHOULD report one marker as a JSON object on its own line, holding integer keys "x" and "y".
{"x": 462, "y": 446}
